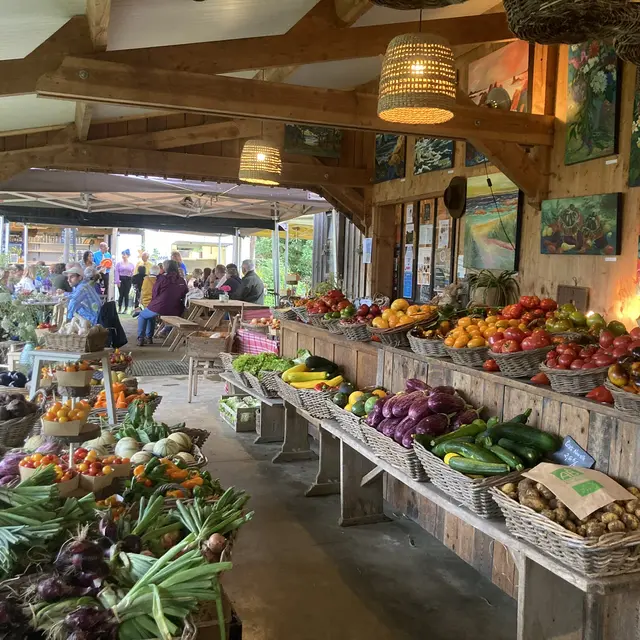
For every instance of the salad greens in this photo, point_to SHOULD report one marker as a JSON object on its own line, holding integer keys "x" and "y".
{"x": 261, "y": 362}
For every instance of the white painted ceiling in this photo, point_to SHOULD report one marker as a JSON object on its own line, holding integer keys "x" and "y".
{"x": 29, "y": 111}
{"x": 341, "y": 74}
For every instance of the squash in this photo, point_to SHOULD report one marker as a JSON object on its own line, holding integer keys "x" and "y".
{"x": 142, "y": 457}
{"x": 149, "y": 447}
{"x": 183, "y": 440}
{"x": 185, "y": 457}
{"x": 34, "y": 442}
{"x": 127, "y": 447}
{"x": 107, "y": 437}
{"x": 166, "y": 448}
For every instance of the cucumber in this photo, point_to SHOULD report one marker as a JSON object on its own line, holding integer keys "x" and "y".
{"x": 438, "y": 450}
{"x": 468, "y": 450}
{"x": 523, "y": 434}
{"x": 481, "y": 438}
{"x": 528, "y": 454}
{"x": 472, "y": 429}
{"x": 478, "y": 468}
{"x": 508, "y": 457}
{"x": 492, "y": 422}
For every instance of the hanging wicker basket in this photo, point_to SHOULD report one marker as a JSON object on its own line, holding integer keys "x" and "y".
{"x": 416, "y": 4}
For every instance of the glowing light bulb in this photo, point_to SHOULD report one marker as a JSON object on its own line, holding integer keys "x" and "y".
{"x": 261, "y": 157}
{"x": 418, "y": 68}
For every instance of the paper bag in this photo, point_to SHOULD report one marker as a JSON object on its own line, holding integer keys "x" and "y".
{"x": 583, "y": 491}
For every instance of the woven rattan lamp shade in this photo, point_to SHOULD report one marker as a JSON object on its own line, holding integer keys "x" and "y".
{"x": 260, "y": 163}
{"x": 418, "y": 80}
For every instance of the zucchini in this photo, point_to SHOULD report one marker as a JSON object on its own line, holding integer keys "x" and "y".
{"x": 523, "y": 434}
{"x": 528, "y": 454}
{"x": 297, "y": 369}
{"x": 478, "y": 468}
{"x": 472, "y": 429}
{"x": 481, "y": 438}
{"x": 316, "y": 363}
{"x": 507, "y": 457}
{"x": 522, "y": 417}
{"x": 469, "y": 450}
{"x": 307, "y": 376}
{"x": 438, "y": 449}
{"x": 492, "y": 422}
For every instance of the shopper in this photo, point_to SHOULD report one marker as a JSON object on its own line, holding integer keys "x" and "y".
{"x": 102, "y": 260}
{"x": 206, "y": 274}
{"x": 195, "y": 281}
{"x": 87, "y": 260}
{"x": 175, "y": 255}
{"x": 160, "y": 268}
{"x": 167, "y": 299}
{"x": 147, "y": 286}
{"x": 137, "y": 281}
{"x": 84, "y": 300}
{"x": 232, "y": 281}
{"x": 144, "y": 261}
{"x": 252, "y": 287}
{"x": 123, "y": 273}
{"x": 26, "y": 284}
{"x": 59, "y": 281}
{"x": 219, "y": 275}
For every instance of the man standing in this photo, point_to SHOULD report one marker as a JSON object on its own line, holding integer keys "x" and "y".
{"x": 252, "y": 289}
{"x": 144, "y": 262}
{"x": 84, "y": 299}
{"x": 98, "y": 257}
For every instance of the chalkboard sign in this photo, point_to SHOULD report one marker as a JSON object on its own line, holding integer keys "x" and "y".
{"x": 572, "y": 455}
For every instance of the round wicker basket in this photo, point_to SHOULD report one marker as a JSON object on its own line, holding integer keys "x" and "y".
{"x": 473, "y": 357}
{"x": 575, "y": 383}
{"x": 356, "y": 332}
{"x": 391, "y": 337}
{"x": 426, "y": 347}
{"x": 624, "y": 401}
{"x": 333, "y": 325}
{"x": 521, "y": 364}
{"x": 284, "y": 314}
{"x": 316, "y": 319}
{"x": 301, "y": 314}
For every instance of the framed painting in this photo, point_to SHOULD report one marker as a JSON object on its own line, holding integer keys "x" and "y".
{"x": 492, "y": 224}
{"x": 473, "y": 157}
{"x": 634, "y": 155}
{"x": 592, "y": 102}
{"x": 324, "y": 142}
{"x": 432, "y": 154}
{"x": 587, "y": 225}
{"x": 390, "y": 157}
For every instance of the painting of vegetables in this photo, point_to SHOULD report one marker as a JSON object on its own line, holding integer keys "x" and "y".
{"x": 432, "y": 154}
{"x": 390, "y": 157}
{"x": 589, "y": 225}
{"x": 634, "y": 156}
{"x": 592, "y": 102}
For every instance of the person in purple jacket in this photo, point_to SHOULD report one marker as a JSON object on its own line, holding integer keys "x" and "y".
{"x": 168, "y": 296}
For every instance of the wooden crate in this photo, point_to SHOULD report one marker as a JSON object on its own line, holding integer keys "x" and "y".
{"x": 243, "y": 419}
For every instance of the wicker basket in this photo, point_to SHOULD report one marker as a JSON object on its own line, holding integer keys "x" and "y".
{"x": 374, "y": 440}
{"x": 472, "y": 493}
{"x": 521, "y": 364}
{"x": 255, "y": 328}
{"x": 357, "y": 332}
{"x": 227, "y": 360}
{"x": 14, "y": 432}
{"x": 198, "y": 436}
{"x": 624, "y": 401}
{"x": 333, "y": 325}
{"x": 400, "y": 457}
{"x": 568, "y": 21}
{"x": 201, "y": 460}
{"x": 426, "y": 347}
{"x": 260, "y": 385}
{"x": 288, "y": 393}
{"x": 301, "y": 314}
{"x": 314, "y": 402}
{"x": 284, "y": 314}
{"x": 391, "y": 337}
{"x": 575, "y": 383}
{"x": 416, "y": 4}
{"x": 466, "y": 357}
{"x": 316, "y": 319}
{"x": 569, "y": 336}
{"x": 95, "y": 340}
{"x": 349, "y": 422}
{"x": 611, "y": 554}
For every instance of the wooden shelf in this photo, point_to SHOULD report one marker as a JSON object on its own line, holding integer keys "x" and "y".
{"x": 272, "y": 402}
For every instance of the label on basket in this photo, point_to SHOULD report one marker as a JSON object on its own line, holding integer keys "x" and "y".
{"x": 572, "y": 455}
{"x": 582, "y": 490}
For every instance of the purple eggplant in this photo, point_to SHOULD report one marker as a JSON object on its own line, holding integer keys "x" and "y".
{"x": 405, "y": 424}
{"x": 445, "y": 403}
{"x": 413, "y": 384}
{"x": 407, "y": 438}
{"x": 375, "y": 417}
{"x": 419, "y": 409}
{"x": 387, "y": 427}
{"x": 444, "y": 389}
{"x": 387, "y": 409}
{"x": 401, "y": 407}
{"x": 465, "y": 417}
{"x": 433, "y": 425}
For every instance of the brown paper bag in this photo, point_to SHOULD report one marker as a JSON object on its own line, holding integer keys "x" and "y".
{"x": 583, "y": 491}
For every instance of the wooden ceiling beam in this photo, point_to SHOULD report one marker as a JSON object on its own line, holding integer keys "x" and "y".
{"x": 298, "y": 47}
{"x": 98, "y": 81}
{"x": 84, "y": 111}
{"x": 98, "y": 16}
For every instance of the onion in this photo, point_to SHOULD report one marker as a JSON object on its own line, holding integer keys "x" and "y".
{"x": 132, "y": 544}
{"x": 169, "y": 540}
{"x": 108, "y": 528}
{"x": 216, "y": 543}
{"x": 81, "y": 555}
{"x": 53, "y": 588}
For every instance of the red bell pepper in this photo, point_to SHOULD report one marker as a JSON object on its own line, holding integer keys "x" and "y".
{"x": 601, "y": 394}
{"x": 540, "y": 378}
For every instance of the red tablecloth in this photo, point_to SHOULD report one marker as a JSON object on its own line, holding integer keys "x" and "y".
{"x": 253, "y": 342}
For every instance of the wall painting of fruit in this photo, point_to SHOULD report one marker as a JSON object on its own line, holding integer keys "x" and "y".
{"x": 588, "y": 225}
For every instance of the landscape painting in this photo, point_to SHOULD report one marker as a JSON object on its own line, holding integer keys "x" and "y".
{"x": 592, "y": 102}
{"x": 390, "y": 157}
{"x": 587, "y": 225}
{"x": 491, "y": 224}
{"x": 634, "y": 156}
{"x": 323, "y": 142}
{"x": 432, "y": 154}
{"x": 472, "y": 157}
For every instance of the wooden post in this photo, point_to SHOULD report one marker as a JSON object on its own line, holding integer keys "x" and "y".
{"x": 296, "y": 437}
{"x": 328, "y": 477}
{"x": 359, "y": 504}
{"x": 271, "y": 425}
{"x": 383, "y": 231}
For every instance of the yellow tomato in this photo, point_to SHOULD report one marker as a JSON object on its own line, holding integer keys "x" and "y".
{"x": 522, "y": 326}
{"x": 514, "y": 323}
{"x": 381, "y": 393}
{"x": 491, "y": 319}
{"x": 502, "y": 324}
{"x": 490, "y": 330}
{"x": 355, "y": 396}
{"x": 400, "y": 305}
{"x": 388, "y": 312}
{"x": 413, "y": 309}
{"x": 406, "y": 320}
{"x": 393, "y": 321}
{"x": 449, "y": 341}
{"x": 462, "y": 341}
{"x": 476, "y": 342}
{"x": 380, "y": 323}
{"x": 400, "y": 312}
{"x": 464, "y": 322}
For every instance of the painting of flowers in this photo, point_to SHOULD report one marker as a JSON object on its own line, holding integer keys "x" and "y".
{"x": 432, "y": 154}
{"x": 592, "y": 102}
{"x": 491, "y": 223}
{"x": 634, "y": 159}
{"x": 587, "y": 225}
{"x": 390, "y": 157}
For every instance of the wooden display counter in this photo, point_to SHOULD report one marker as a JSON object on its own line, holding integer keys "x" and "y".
{"x": 609, "y": 436}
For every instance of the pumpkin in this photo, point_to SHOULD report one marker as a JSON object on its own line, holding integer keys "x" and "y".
{"x": 127, "y": 447}
{"x": 149, "y": 447}
{"x": 142, "y": 457}
{"x": 166, "y": 448}
{"x": 187, "y": 458}
{"x": 107, "y": 437}
{"x": 183, "y": 440}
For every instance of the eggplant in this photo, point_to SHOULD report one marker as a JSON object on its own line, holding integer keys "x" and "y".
{"x": 401, "y": 407}
{"x": 387, "y": 409}
{"x": 413, "y": 384}
{"x": 419, "y": 409}
{"x": 433, "y": 425}
{"x": 465, "y": 417}
{"x": 387, "y": 427}
{"x": 445, "y": 403}
{"x": 375, "y": 417}
{"x": 407, "y": 438}
{"x": 404, "y": 425}
{"x": 444, "y": 389}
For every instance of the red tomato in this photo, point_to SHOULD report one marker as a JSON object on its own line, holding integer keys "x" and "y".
{"x": 343, "y": 304}
{"x": 538, "y": 313}
{"x": 529, "y": 343}
{"x": 563, "y": 367}
{"x": 548, "y": 304}
{"x": 496, "y": 347}
{"x": 490, "y": 365}
{"x": 566, "y": 360}
{"x": 496, "y": 337}
{"x": 633, "y": 345}
{"x": 513, "y": 311}
{"x": 603, "y": 360}
{"x": 510, "y": 346}
{"x": 635, "y": 333}
{"x": 529, "y": 302}
{"x": 540, "y": 378}
{"x": 622, "y": 341}
{"x": 513, "y": 333}
{"x": 577, "y": 364}
{"x": 587, "y": 352}
{"x": 590, "y": 365}
{"x": 606, "y": 338}
{"x": 620, "y": 351}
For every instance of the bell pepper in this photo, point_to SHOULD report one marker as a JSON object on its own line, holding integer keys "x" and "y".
{"x": 540, "y": 378}
{"x": 601, "y": 394}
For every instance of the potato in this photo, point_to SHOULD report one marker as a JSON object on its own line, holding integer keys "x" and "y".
{"x": 548, "y": 513}
{"x": 581, "y": 530}
{"x": 634, "y": 490}
{"x": 553, "y": 503}
{"x": 532, "y": 493}
{"x": 525, "y": 484}
{"x": 561, "y": 515}
{"x": 637, "y": 513}
{"x": 561, "y": 505}
{"x": 615, "y": 508}
{"x": 544, "y": 492}
{"x": 567, "y": 524}
{"x": 513, "y": 495}
{"x": 536, "y": 504}
{"x": 595, "y": 530}
{"x": 616, "y": 526}
{"x": 510, "y": 487}
{"x": 608, "y": 517}
{"x": 630, "y": 520}
{"x": 632, "y": 505}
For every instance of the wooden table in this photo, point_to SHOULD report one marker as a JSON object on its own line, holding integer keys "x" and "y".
{"x": 198, "y": 308}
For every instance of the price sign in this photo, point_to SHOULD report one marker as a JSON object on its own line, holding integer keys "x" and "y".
{"x": 572, "y": 455}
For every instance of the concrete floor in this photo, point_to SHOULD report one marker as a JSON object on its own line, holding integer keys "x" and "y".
{"x": 297, "y": 575}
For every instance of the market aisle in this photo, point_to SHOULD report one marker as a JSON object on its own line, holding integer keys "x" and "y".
{"x": 297, "y": 575}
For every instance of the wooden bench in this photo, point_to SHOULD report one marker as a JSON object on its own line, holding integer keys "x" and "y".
{"x": 180, "y": 329}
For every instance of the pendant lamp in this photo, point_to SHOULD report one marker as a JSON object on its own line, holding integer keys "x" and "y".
{"x": 418, "y": 80}
{"x": 260, "y": 163}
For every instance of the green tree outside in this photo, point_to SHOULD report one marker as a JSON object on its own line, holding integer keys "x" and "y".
{"x": 300, "y": 262}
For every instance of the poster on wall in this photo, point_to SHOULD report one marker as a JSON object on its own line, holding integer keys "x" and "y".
{"x": 587, "y": 225}
{"x": 500, "y": 79}
{"x": 409, "y": 240}
{"x": 323, "y": 142}
{"x": 390, "y": 157}
{"x": 491, "y": 223}
{"x": 592, "y": 102}
{"x": 634, "y": 155}
{"x": 443, "y": 234}
{"x": 432, "y": 154}
{"x": 367, "y": 244}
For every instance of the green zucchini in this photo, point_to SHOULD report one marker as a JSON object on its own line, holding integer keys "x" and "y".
{"x": 469, "y": 450}
{"x": 438, "y": 450}
{"x": 472, "y": 429}
{"x": 507, "y": 457}
{"x": 528, "y": 454}
{"x": 523, "y": 434}
{"x": 478, "y": 468}
{"x": 522, "y": 418}
{"x": 492, "y": 422}
{"x": 482, "y": 437}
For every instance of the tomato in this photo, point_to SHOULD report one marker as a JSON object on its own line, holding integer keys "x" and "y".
{"x": 548, "y": 304}
{"x": 513, "y": 333}
{"x": 538, "y": 313}
{"x": 601, "y": 394}
{"x": 603, "y": 360}
{"x": 606, "y": 338}
{"x": 510, "y": 346}
{"x": 496, "y": 337}
{"x": 513, "y": 311}
{"x": 620, "y": 352}
{"x": 530, "y": 302}
{"x": 566, "y": 359}
{"x": 577, "y": 364}
{"x": 527, "y": 317}
{"x": 343, "y": 304}
{"x": 529, "y": 343}
{"x": 496, "y": 347}
{"x": 490, "y": 365}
